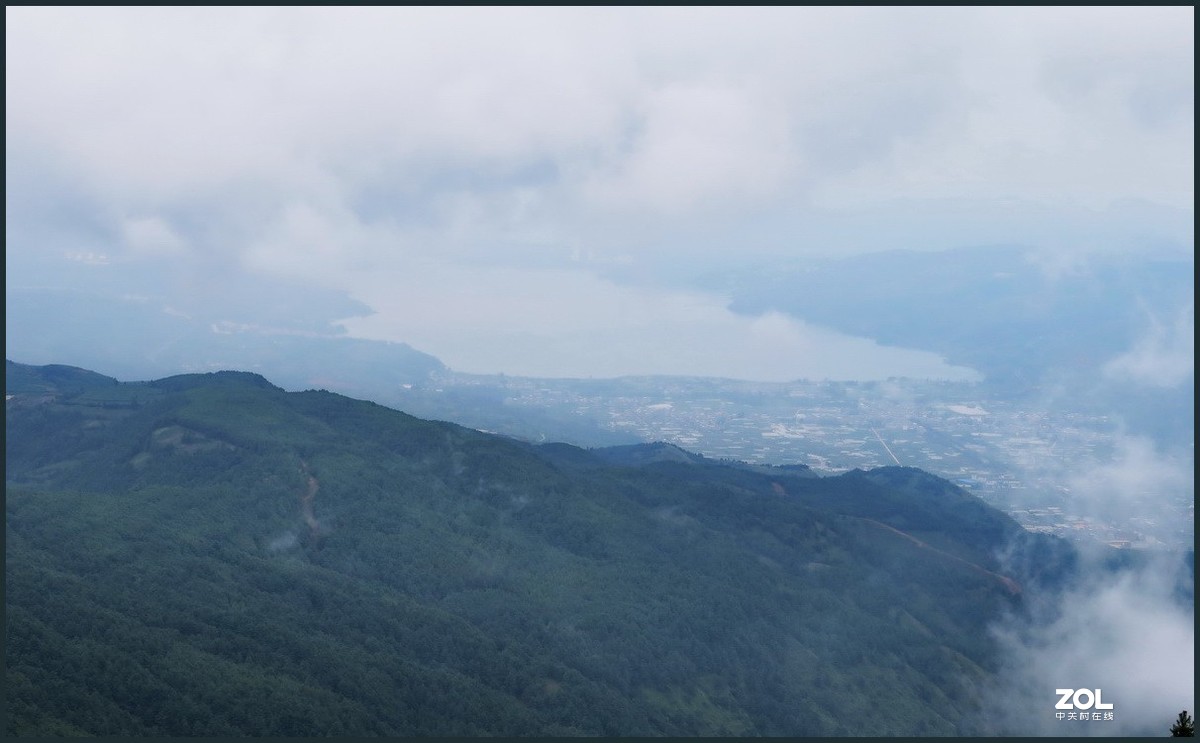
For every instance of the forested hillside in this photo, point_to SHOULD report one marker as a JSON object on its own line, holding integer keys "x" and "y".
{"x": 211, "y": 555}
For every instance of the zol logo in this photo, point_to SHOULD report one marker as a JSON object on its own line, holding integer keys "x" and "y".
{"x": 1080, "y": 699}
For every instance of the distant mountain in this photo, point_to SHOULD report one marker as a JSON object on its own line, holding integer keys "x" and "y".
{"x": 54, "y": 381}
{"x": 300, "y": 351}
{"x": 209, "y": 554}
{"x": 156, "y": 339}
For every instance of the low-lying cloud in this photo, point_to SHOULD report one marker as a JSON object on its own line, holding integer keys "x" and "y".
{"x": 1128, "y": 635}
{"x": 1165, "y": 356}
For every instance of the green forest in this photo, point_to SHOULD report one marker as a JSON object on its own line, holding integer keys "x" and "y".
{"x": 211, "y": 555}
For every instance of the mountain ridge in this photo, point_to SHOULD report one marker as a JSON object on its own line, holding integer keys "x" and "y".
{"x": 267, "y": 539}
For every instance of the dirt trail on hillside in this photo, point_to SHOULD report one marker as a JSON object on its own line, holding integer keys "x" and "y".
{"x": 1009, "y": 584}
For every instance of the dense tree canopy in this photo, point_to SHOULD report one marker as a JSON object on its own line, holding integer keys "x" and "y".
{"x": 210, "y": 555}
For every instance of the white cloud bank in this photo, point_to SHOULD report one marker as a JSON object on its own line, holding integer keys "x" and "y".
{"x": 1129, "y": 637}
{"x": 346, "y": 147}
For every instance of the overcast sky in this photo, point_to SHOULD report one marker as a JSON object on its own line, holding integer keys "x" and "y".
{"x": 479, "y": 177}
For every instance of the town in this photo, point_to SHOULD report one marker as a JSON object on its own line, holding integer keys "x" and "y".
{"x": 1036, "y": 462}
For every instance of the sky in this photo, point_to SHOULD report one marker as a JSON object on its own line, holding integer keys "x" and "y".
{"x": 532, "y": 191}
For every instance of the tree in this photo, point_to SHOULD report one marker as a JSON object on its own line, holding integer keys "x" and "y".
{"x": 1183, "y": 727}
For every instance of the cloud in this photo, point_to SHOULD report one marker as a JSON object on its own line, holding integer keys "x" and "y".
{"x": 698, "y": 146}
{"x": 673, "y": 102}
{"x": 1165, "y": 356}
{"x": 1038, "y": 105}
{"x": 87, "y": 258}
{"x": 283, "y": 542}
{"x": 151, "y": 236}
{"x": 1140, "y": 487}
{"x": 1125, "y": 634}
{"x": 341, "y": 146}
{"x": 1138, "y": 480}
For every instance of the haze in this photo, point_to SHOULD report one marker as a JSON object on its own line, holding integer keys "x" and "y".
{"x": 537, "y": 192}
